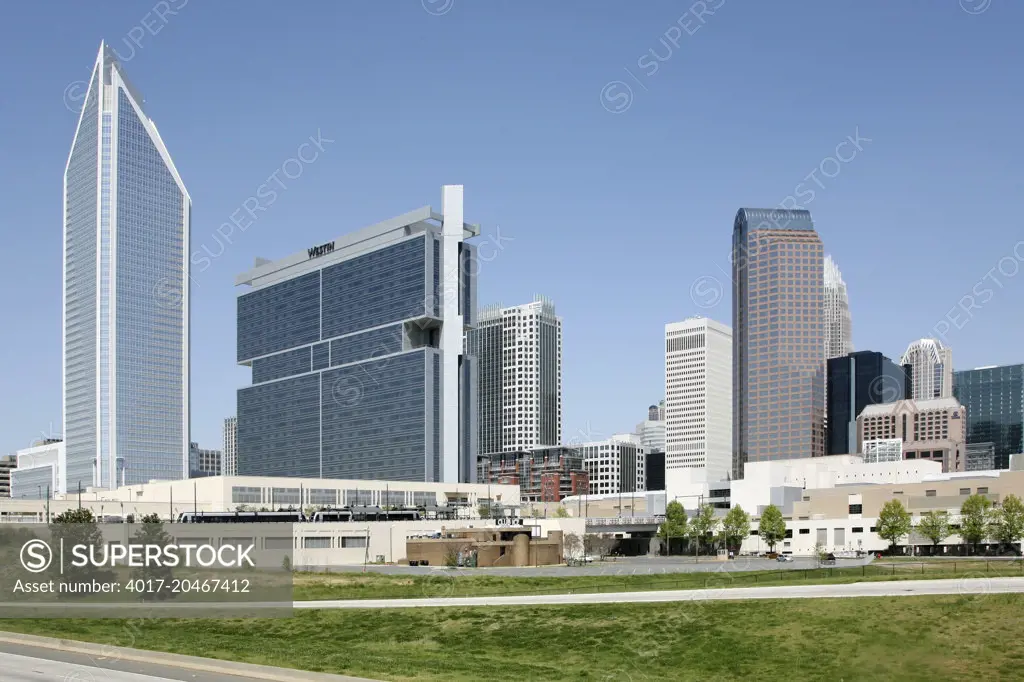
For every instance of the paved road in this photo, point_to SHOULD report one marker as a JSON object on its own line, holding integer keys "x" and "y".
{"x": 899, "y": 588}
{"x": 56, "y": 666}
{"x": 26, "y": 663}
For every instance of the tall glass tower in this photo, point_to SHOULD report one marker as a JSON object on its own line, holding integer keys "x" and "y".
{"x": 994, "y": 401}
{"x": 778, "y": 337}
{"x": 356, "y": 350}
{"x": 126, "y": 294}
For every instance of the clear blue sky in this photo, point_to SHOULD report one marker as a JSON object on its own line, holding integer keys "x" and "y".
{"x": 613, "y": 215}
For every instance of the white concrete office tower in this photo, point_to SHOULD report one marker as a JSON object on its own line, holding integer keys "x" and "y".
{"x": 616, "y": 465}
{"x": 126, "y": 294}
{"x": 230, "y": 462}
{"x": 519, "y": 355}
{"x": 698, "y": 397}
{"x": 838, "y": 334}
{"x": 931, "y": 367}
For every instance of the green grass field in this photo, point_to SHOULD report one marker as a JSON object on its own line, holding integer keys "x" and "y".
{"x": 907, "y": 638}
{"x": 309, "y": 586}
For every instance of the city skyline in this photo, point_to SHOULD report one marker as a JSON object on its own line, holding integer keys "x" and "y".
{"x": 854, "y": 209}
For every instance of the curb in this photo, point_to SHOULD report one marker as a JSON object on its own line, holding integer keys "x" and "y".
{"x": 206, "y": 665}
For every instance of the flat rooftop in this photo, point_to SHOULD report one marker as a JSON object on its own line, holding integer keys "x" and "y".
{"x": 421, "y": 220}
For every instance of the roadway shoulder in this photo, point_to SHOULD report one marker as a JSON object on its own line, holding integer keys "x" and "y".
{"x": 208, "y": 665}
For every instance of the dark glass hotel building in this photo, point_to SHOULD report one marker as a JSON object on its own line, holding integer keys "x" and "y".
{"x": 854, "y": 382}
{"x": 993, "y": 397}
{"x": 356, "y": 350}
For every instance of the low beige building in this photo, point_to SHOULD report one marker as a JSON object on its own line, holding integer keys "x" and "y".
{"x": 845, "y": 518}
{"x": 933, "y": 430}
{"x": 488, "y": 547}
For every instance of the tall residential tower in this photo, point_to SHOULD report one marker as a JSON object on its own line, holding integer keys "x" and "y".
{"x": 519, "y": 353}
{"x": 698, "y": 397}
{"x": 778, "y": 337}
{"x": 126, "y": 294}
{"x": 231, "y": 446}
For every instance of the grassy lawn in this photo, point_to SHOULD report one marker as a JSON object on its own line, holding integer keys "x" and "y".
{"x": 310, "y": 586}
{"x": 909, "y": 638}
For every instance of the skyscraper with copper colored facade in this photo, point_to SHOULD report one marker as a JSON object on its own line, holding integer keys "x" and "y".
{"x": 778, "y": 337}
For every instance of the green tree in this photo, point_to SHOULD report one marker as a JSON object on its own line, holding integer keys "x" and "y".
{"x": 894, "y": 522}
{"x": 772, "y": 527}
{"x": 975, "y": 520}
{"x": 735, "y": 527}
{"x": 674, "y": 525}
{"x": 151, "y": 532}
{"x": 79, "y": 527}
{"x": 934, "y": 525}
{"x": 572, "y": 548}
{"x": 561, "y": 512}
{"x": 703, "y": 525}
{"x": 819, "y": 553}
{"x": 1008, "y": 521}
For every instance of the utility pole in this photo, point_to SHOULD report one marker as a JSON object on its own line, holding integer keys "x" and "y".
{"x": 696, "y": 548}
{"x": 47, "y": 504}
{"x": 79, "y": 494}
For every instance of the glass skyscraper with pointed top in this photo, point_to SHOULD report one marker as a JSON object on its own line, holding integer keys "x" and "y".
{"x": 126, "y": 294}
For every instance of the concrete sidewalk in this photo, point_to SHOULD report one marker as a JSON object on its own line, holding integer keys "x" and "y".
{"x": 878, "y": 588}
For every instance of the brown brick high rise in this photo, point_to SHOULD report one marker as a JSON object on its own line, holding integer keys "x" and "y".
{"x": 778, "y": 337}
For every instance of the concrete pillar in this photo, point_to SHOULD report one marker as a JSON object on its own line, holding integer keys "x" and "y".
{"x": 521, "y": 550}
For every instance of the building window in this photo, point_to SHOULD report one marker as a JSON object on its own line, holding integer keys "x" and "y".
{"x": 753, "y": 532}
{"x": 856, "y": 509}
{"x": 929, "y": 493}
{"x": 246, "y": 495}
{"x": 352, "y": 543}
{"x": 858, "y": 529}
{"x": 316, "y": 543}
{"x": 789, "y": 533}
{"x": 965, "y": 491}
{"x": 805, "y": 531}
{"x": 983, "y": 491}
{"x": 874, "y": 529}
{"x": 323, "y": 496}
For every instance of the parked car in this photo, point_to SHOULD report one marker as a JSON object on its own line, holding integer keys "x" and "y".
{"x": 829, "y": 560}
{"x": 784, "y": 558}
